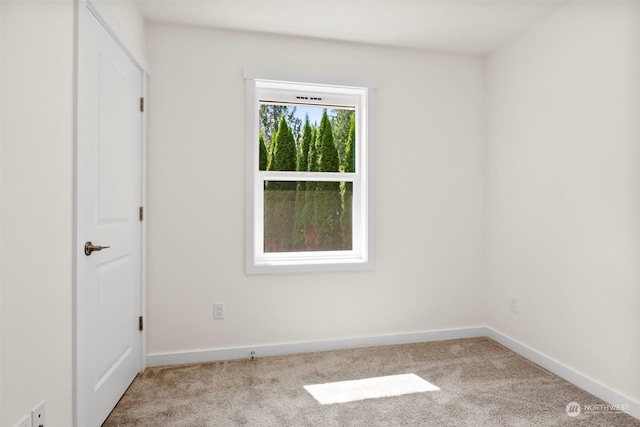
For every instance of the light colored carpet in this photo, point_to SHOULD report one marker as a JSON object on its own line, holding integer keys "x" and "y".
{"x": 481, "y": 383}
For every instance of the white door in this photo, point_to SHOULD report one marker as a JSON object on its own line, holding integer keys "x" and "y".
{"x": 109, "y": 195}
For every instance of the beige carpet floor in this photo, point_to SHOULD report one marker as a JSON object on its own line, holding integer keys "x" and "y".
{"x": 481, "y": 383}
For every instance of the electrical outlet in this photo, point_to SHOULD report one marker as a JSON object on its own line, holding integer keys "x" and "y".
{"x": 218, "y": 311}
{"x": 513, "y": 304}
{"x": 23, "y": 422}
{"x": 38, "y": 416}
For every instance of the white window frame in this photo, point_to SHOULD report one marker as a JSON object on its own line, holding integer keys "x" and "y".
{"x": 285, "y": 87}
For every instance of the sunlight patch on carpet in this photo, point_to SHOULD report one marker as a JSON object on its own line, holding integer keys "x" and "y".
{"x": 369, "y": 388}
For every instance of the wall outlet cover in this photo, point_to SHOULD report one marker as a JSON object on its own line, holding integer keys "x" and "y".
{"x": 513, "y": 304}
{"x": 38, "y": 416}
{"x": 23, "y": 422}
{"x": 218, "y": 311}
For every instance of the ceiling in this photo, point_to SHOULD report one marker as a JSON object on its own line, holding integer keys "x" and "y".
{"x": 461, "y": 26}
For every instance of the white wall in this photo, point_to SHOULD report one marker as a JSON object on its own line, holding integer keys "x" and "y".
{"x": 429, "y": 196}
{"x": 36, "y": 209}
{"x": 127, "y": 21}
{"x": 563, "y": 191}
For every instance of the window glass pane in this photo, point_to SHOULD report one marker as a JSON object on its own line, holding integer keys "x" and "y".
{"x": 307, "y": 216}
{"x": 306, "y": 138}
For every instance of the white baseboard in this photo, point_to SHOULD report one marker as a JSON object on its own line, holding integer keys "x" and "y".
{"x": 214, "y": 355}
{"x": 576, "y": 378}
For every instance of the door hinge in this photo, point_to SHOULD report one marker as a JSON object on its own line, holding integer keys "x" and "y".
{"x": 141, "y": 105}
{"x": 140, "y": 323}
{"x": 141, "y": 213}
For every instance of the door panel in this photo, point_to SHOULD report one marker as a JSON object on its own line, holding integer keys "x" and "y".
{"x": 115, "y": 191}
{"x": 109, "y": 194}
{"x": 114, "y": 335}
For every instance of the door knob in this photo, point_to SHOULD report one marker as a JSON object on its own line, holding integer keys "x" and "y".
{"x": 89, "y": 248}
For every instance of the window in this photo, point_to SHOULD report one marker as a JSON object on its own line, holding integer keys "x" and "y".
{"x": 309, "y": 176}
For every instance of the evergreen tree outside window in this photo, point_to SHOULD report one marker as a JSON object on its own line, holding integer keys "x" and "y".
{"x": 310, "y": 182}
